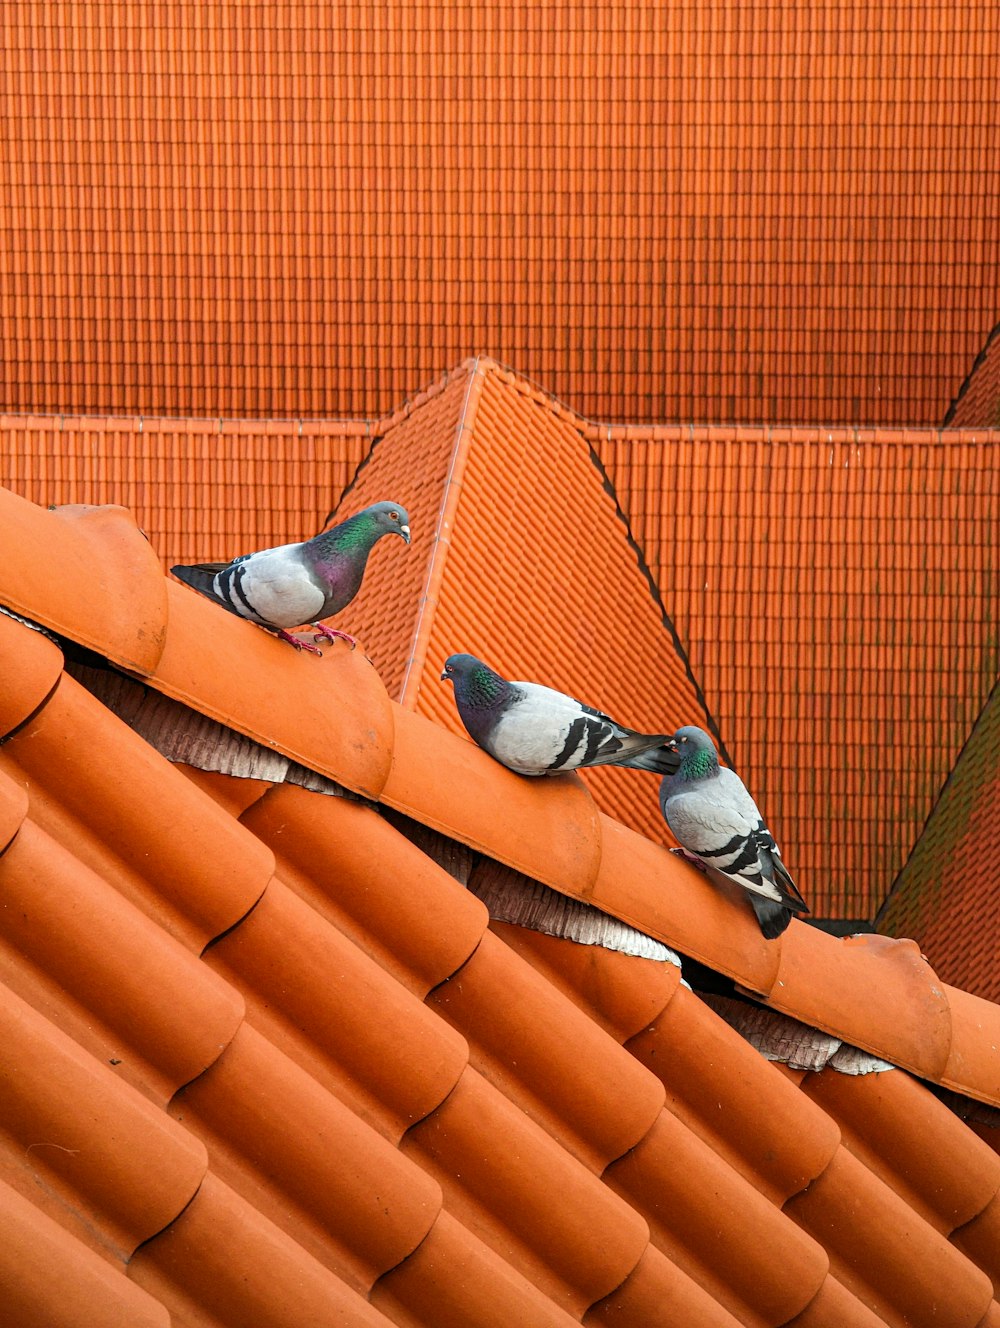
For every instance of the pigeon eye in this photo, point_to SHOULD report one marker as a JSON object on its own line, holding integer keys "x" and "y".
{"x": 393, "y": 516}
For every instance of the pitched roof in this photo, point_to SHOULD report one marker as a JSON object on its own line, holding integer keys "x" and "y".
{"x": 267, "y": 1061}
{"x": 948, "y": 892}
{"x": 783, "y": 215}
{"x": 977, "y": 404}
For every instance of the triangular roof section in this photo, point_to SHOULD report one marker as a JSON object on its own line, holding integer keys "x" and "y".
{"x": 948, "y": 894}
{"x": 977, "y": 404}
{"x": 521, "y": 556}
{"x": 268, "y": 1060}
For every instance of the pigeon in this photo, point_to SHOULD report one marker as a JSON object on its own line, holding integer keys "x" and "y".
{"x": 534, "y": 730}
{"x": 715, "y": 820}
{"x": 300, "y": 583}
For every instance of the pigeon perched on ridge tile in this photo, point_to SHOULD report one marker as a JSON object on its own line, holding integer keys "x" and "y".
{"x": 534, "y": 730}
{"x": 714, "y": 819}
{"x": 300, "y": 583}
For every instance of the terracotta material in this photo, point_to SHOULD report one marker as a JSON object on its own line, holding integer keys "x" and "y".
{"x": 32, "y": 665}
{"x": 657, "y": 1288}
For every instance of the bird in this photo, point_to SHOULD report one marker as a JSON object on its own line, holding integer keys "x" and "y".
{"x": 715, "y": 820}
{"x": 294, "y": 584}
{"x": 535, "y": 730}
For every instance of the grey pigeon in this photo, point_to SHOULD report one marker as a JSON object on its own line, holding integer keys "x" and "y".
{"x": 537, "y": 731}
{"x": 300, "y": 583}
{"x": 714, "y": 818}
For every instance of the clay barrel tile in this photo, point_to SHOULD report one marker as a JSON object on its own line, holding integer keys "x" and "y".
{"x": 307, "y": 1162}
{"x": 622, "y": 993}
{"x": 332, "y": 715}
{"x": 223, "y": 1263}
{"x": 974, "y": 1056}
{"x": 769, "y": 1132}
{"x": 912, "y": 1141}
{"x": 372, "y": 883}
{"x": 871, "y": 991}
{"x": 190, "y": 867}
{"x": 30, "y": 665}
{"x": 728, "y": 1245}
{"x": 130, "y": 992}
{"x": 13, "y": 808}
{"x": 834, "y": 1306}
{"x": 885, "y": 1253}
{"x": 89, "y": 574}
{"x": 538, "y": 1207}
{"x": 546, "y": 828}
{"x": 338, "y": 1014}
{"x": 83, "y": 1146}
{"x": 642, "y": 883}
{"x": 548, "y": 1057}
{"x": 657, "y": 1292}
{"x": 980, "y": 1240}
{"x": 50, "y": 1280}
{"x": 453, "y": 1280}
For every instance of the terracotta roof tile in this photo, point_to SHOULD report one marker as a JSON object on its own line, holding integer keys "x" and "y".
{"x": 946, "y": 893}
{"x": 295, "y": 212}
{"x": 977, "y": 404}
{"x": 397, "y": 1115}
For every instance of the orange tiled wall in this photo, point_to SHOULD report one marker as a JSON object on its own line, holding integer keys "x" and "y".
{"x": 707, "y": 211}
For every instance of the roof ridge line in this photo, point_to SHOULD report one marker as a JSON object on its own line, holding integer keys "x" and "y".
{"x": 442, "y": 534}
{"x": 966, "y": 382}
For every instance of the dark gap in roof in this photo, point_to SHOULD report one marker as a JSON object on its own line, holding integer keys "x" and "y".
{"x": 840, "y": 926}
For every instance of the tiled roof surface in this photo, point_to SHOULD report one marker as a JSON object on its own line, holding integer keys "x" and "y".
{"x": 528, "y": 565}
{"x": 837, "y": 594}
{"x": 977, "y": 404}
{"x": 948, "y": 894}
{"x": 766, "y": 212}
{"x": 266, "y": 1062}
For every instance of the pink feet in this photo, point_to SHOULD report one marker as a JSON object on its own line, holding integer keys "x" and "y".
{"x": 332, "y": 634}
{"x": 299, "y": 644}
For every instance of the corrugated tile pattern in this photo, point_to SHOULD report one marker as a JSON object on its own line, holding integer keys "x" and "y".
{"x": 977, "y": 404}
{"x": 727, "y": 213}
{"x": 838, "y": 594}
{"x": 948, "y": 894}
{"x": 276, "y": 1069}
{"x": 202, "y": 490}
{"x": 530, "y": 568}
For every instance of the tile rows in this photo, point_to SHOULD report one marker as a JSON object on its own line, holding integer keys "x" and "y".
{"x": 310, "y": 212}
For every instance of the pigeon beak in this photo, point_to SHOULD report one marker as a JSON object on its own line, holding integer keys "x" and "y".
{"x": 445, "y": 676}
{"x": 405, "y": 532}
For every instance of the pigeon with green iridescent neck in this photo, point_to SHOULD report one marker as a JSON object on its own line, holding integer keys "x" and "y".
{"x": 295, "y": 584}
{"x": 534, "y": 730}
{"x": 715, "y": 820}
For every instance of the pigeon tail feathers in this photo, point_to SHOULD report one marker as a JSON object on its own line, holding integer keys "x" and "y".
{"x": 772, "y": 918}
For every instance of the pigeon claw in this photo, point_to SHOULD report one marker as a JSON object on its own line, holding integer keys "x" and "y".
{"x": 299, "y": 644}
{"x": 333, "y": 634}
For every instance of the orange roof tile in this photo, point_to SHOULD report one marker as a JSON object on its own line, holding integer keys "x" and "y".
{"x": 300, "y": 212}
{"x": 977, "y": 404}
{"x": 947, "y": 894}
{"x": 267, "y": 1061}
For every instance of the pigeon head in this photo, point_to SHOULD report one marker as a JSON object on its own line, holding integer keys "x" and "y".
{"x": 476, "y": 684}
{"x": 385, "y": 519}
{"x": 696, "y": 750}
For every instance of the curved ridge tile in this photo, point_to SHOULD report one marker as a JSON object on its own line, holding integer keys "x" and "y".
{"x": 108, "y": 592}
{"x": 87, "y": 1291}
{"x": 622, "y": 993}
{"x": 534, "y": 1204}
{"x": 333, "y": 1184}
{"x": 91, "y": 961}
{"x": 453, "y": 1280}
{"x": 331, "y": 714}
{"x": 338, "y": 1014}
{"x": 30, "y": 665}
{"x": 727, "y": 1246}
{"x": 769, "y": 1131}
{"x": 135, "y": 818}
{"x": 644, "y": 884}
{"x": 546, "y": 828}
{"x": 85, "y": 1147}
{"x": 912, "y": 1142}
{"x": 876, "y": 993}
{"x": 657, "y": 1292}
{"x": 973, "y": 1064}
{"x": 223, "y": 1264}
{"x": 543, "y": 1053}
{"x": 885, "y": 1254}
{"x": 372, "y": 883}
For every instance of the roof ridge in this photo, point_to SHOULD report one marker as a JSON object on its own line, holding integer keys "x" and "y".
{"x": 441, "y": 542}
